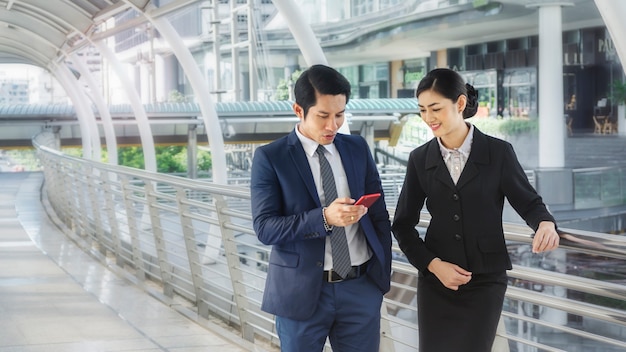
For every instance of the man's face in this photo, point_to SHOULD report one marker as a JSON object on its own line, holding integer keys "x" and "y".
{"x": 323, "y": 119}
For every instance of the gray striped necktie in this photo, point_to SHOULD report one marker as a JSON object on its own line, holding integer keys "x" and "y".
{"x": 338, "y": 241}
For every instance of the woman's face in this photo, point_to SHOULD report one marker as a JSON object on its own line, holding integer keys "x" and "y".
{"x": 442, "y": 115}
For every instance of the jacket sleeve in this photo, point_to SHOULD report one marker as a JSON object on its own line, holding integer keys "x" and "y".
{"x": 520, "y": 193}
{"x": 281, "y": 215}
{"x": 407, "y": 216}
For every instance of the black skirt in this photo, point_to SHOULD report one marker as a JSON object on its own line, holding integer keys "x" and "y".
{"x": 459, "y": 321}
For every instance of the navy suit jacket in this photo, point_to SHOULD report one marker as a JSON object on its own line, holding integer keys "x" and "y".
{"x": 287, "y": 214}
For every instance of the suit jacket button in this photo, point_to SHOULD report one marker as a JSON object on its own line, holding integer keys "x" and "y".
{"x": 456, "y": 217}
{"x": 319, "y": 264}
{"x": 458, "y": 237}
{"x": 455, "y": 196}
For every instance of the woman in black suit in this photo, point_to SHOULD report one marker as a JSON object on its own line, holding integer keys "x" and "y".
{"x": 463, "y": 176}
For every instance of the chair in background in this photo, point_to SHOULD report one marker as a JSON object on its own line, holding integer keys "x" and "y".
{"x": 597, "y": 125}
{"x": 610, "y": 124}
{"x": 601, "y": 113}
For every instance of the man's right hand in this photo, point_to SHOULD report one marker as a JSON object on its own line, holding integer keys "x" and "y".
{"x": 342, "y": 212}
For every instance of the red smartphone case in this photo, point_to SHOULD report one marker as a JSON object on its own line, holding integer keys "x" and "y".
{"x": 368, "y": 199}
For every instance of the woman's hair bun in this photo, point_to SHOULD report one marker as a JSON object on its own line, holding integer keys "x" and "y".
{"x": 472, "y": 102}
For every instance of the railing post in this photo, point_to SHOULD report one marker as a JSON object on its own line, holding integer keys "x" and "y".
{"x": 195, "y": 265}
{"x": 236, "y": 277}
{"x": 132, "y": 229}
{"x": 91, "y": 178}
{"x": 159, "y": 240}
{"x": 110, "y": 208}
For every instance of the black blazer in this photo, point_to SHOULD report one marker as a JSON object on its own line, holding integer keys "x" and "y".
{"x": 466, "y": 225}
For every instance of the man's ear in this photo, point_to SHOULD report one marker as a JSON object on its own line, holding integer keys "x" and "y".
{"x": 298, "y": 110}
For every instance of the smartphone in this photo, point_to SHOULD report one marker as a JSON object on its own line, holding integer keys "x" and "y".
{"x": 368, "y": 199}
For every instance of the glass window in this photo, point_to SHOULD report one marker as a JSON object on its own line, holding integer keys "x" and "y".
{"x": 520, "y": 93}
{"x": 362, "y": 7}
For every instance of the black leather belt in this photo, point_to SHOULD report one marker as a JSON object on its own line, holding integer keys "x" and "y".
{"x": 356, "y": 271}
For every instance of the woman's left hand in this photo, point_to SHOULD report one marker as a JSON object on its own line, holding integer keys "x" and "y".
{"x": 546, "y": 238}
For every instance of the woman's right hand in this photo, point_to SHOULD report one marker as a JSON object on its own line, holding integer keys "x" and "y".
{"x": 451, "y": 275}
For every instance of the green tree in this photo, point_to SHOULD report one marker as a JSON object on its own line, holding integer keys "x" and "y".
{"x": 168, "y": 159}
{"x": 205, "y": 162}
{"x": 176, "y": 97}
{"x": 131, "y": 157}
{"x": 284, "y": 86}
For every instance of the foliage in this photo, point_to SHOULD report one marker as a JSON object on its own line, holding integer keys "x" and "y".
{"x": 21, "y": 159}
{"x": 176, "y": 97}
{"x": 170, "y": 159}
{"x": 284, "y": 86}
{"x": 619, "y": 92}
{"x": 131, "y": 157}
{"x": 415, "y": 131}
{"x": 512, "y": 127}
{"x": 205, "y": 162}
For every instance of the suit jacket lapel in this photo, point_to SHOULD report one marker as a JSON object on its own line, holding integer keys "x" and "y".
{"x": 435, "y": 160}
{"x": 301, "y": 163}
{"x": 347, "y": 159}
{"x": 478, "y": 155}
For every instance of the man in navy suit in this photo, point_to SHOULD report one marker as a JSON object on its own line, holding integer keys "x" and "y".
{"x": 310, "y": 299}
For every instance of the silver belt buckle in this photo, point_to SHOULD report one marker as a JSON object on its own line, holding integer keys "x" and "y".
{"x": 330, "y": 277}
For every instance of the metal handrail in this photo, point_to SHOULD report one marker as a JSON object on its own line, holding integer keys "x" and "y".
{"x": 195, "y": 239}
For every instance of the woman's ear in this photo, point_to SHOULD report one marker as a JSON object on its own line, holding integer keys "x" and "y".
{"x": 461, "y": 103}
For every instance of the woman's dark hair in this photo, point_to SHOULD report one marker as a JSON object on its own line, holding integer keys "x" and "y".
{"x": 451, "y": 85}
{"x": 322, "y": 79}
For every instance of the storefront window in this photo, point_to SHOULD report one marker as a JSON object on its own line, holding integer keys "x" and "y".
{"x": 520, "y": 93}
{"x": 485, "y": 83}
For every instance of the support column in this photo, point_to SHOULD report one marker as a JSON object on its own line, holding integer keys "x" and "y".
{"x": 551, "y": 122}
{"x": 217, "y": 56}
{"x": 252, "y": 55}
{"x": 302, "y": 32}
{"x": 86, "y": 119}
{"x": 56, "y": 130}
{"x": 612, "y": 13}
{"x": 200, "y": 88}
{"x": 105, "y": 115}
{"x": 143, "y": 124}
{"x": 192, "y": 152}
{"x": 234, "y": 52}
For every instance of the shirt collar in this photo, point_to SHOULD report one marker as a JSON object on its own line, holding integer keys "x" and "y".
{"x": 464, "y": 149}
{"x": 310, "y": 146}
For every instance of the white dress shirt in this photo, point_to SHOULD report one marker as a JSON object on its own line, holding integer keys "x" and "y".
{"x": 357, "y": 244}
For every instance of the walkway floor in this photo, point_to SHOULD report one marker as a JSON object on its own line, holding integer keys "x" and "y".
{"x": 55, "y": 297}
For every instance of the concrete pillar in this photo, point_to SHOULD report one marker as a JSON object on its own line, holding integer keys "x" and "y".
{"x": 130, "y": 88}
{"x": 612, "y": 13}
{"x": 302, "y": 32}
{"x": 252, "y": 53}
{"x": 98, "y": 100}
{"x": 551, "y": 121}
{"x": 192, "y": 152}
{"x": 56, "y": 130}
{"x": 291, "y": 65}
{"x": 234, "y": 52}
{"x": 86, "y": 119}
{"x": 217, "y": 57}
